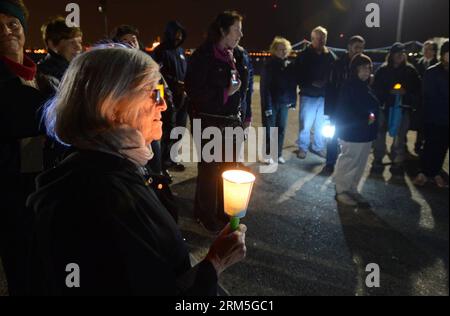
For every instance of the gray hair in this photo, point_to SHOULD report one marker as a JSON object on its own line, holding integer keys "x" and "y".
{"x": 97, "y": 92}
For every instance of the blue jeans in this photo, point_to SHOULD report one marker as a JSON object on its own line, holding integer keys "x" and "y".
{"x": 312, "y": 114}
{"x": 278, "y": 119}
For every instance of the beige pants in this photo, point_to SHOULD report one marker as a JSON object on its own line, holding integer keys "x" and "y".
{"x": 351, "y": 165}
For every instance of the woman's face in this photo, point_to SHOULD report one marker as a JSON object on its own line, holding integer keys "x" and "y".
{"x": 364, "y": 72}
{"x": 12, "y": 35}
{"x": 282, "y": 51}
{"x": 150, "y": 117}
{"x": 233, "y": 37}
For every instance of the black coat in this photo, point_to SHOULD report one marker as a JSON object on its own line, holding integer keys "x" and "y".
{"x": 312, "y": 67}
{"x": 356, "y": 104}
{"x": 436, "y": 96}
{"x": 278, "y": 84}
{"x": 20, "y": 118}
{"x": 340, "y": 73}
{"x": 422, "y": 65}
{"x": 97, "y": 211}
{"x": 208, "y": 78}
{"x": 171, "y": 57}
{"x": 53, "y": 66}
{"x": 387, "y": 77}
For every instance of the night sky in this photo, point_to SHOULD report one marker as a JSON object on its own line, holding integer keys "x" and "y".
{"x": 293, "y": 19}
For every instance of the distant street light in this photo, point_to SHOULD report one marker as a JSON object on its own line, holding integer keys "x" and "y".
{"x": 102, "y": 9}
{"x": 401, "y": 13}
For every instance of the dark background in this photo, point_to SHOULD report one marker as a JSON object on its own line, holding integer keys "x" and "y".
{"x": 293, "y": 19}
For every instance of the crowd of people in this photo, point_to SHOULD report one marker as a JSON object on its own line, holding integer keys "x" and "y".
{"x": 85, "y": 149}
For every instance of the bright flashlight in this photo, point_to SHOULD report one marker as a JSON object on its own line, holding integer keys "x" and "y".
{"x": 328, "y": 131}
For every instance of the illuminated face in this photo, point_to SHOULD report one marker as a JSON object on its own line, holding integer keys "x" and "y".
{"x": 282, "y": 51}
{"x": 319, "y": 40}
{"x": 356, "y": 49}
{"x": 233, "y": 37}
{"x": 364, "y": 72}
{"x": 69, "y": 48}
{"x": 12, "y": 35}
{"x": 131, "y": 40}
{"x": 150, "y": 117}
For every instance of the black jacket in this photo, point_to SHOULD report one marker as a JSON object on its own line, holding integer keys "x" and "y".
{"x": 246, "y": 104}
{"x": 422, "y": 65}
{"x": 53, "y": 66}
{"x": 312, "y": 67}
{"x": 171, "y": 57}
{"x": 436, "y": 96}
{"x": 97, "y": 211}
{"x": 339, "y": 75}
{"x": 206, "y": 81}
{"x": 357, "y": 104}
{"x": 278, "y": 84}
{"x": 20, "y": 118}
{"x": 387, "y": 77}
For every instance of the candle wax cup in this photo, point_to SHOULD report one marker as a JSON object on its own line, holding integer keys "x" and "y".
{"x": 237, "y": 187}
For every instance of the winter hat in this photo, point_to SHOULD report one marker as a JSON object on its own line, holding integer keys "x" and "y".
{"x": 398, "y": 48}
{"x": 15, "y": 9}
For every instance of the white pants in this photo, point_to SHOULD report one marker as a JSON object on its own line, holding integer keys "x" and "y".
{"x": 351, "y": 165}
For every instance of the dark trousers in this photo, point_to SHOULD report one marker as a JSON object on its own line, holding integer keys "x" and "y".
{"x": 16, "y": 222}
{"x": 171, "y": 119}
{"x": 278, "y": 119}
{"x": 333, "y": 150}
{"x": 435, "y": 149}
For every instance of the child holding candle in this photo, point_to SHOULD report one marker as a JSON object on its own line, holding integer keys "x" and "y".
{"x": 357, "y": 120}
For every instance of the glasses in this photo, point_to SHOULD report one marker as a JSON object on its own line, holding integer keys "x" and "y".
{"x": 158, "y": 94}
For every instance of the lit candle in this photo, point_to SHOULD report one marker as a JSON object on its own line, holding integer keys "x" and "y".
{"x": 237, "y": 189}
{"x": 398, "y": 86}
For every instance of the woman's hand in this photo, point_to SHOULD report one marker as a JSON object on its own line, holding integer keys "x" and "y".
{"x": 228, "y": 249}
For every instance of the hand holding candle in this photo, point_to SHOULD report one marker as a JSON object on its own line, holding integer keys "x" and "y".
{"x": 237, "y": 189}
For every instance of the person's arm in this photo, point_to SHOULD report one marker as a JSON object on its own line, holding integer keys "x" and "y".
{"x": 379, "y": 86}
{"x": 265, "y": 84}
{"x": 249, "y": 98}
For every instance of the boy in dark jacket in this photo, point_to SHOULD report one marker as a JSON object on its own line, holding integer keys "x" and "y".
{"x": 356, "y": 115}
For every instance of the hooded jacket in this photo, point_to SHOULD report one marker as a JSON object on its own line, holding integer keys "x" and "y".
{"x": 171, "y": 56}
{"x": 97, "y": 211}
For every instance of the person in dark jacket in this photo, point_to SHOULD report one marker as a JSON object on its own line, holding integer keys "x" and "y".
{"x": 171, "y": 57}
{"x": 21, "y": 141}
{"x": 278, "y": 94}
{"x": 339, "y": 74}
{"x": 314, "y": 66}
{"x": 396, "y": 71}
{"x": 436, "y": 117}
{"x": 216, "y": 85}
{"x": 356, "y": 114}
{"x": 246, "y": 104}
{"x": 95, "y": 211}
{"x": 63, "y": 44}
{"x": 429, "y": 59}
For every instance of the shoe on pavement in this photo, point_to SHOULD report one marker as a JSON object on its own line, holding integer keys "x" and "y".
{"x": 440, "y": 182}
{"x": 346, "y": 199}
{"x": 281, "y": 161}
{"x": 420, "y": 180}
{"x": 301, "y": 154}
{"x": 268, "y": 161}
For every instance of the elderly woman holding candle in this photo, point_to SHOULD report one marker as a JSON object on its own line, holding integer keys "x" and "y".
{"x": 96, "y": 210}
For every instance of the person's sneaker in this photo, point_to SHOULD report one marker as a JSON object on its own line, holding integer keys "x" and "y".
{"x": 346, "y": 199}
{"x": 301, "y": 154}
{"x": 420, "y": 180}
{"x": 267, "y": 161}
{"x": 322, "y": 153}
{"x": 440, "y": 182}
{"x": 281, "y": 161}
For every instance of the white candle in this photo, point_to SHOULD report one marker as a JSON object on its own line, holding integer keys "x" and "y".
{"x": 237, "y": 189}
